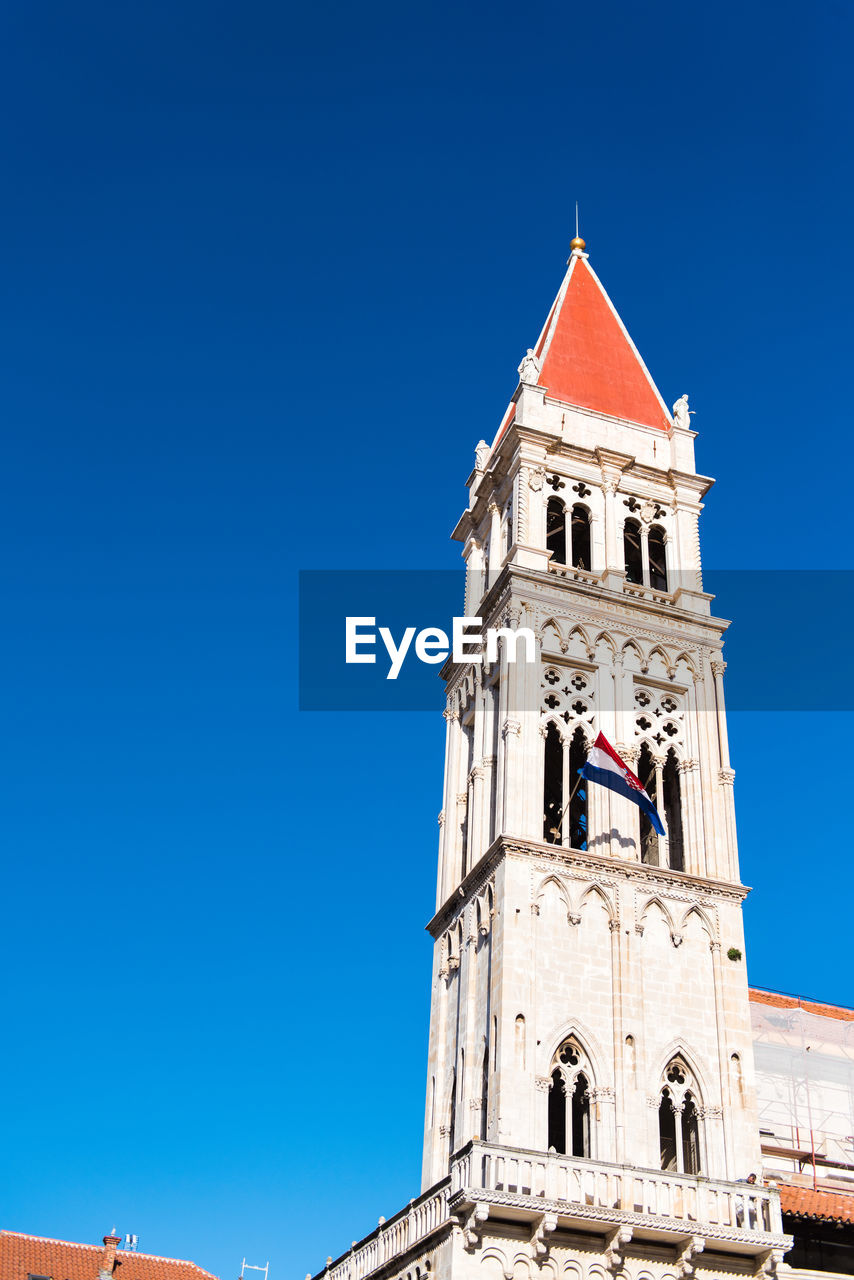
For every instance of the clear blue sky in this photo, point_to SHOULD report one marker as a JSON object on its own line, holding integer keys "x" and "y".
{"x": 267, "y": 272}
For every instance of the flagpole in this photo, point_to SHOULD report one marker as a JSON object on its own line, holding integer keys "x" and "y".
{"x": 559, "y": 824}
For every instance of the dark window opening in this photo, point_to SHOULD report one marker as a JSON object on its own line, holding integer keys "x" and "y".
{"x": 580, "y": 537}
{"x": 648, "y": 835}
{"x": 673, "y": 812}
{"x": 657, "y": 558}
{"x": 632, "y": 551}
{"x": 690, "y": 1137}
{"x": 553, "y": 787}
{"x": 667, "y": 1131}
{"x": 557, "y": 1115}
{"x": 820, "y": 1246}
{"x": 452, "y": 1119}
{"x": 484, "y": 1092}
{"x": 581, "y": 1118}
{"x": 556, "y": 530}
{"x": 578, "y": 803}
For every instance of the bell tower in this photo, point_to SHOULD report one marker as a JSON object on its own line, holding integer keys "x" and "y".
{"x": 589, "y": 988}
{"x": 591, "y": 1107}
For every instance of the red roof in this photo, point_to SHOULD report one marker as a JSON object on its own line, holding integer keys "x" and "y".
{"x": 780, "y": 1001}
{"x": 22, "y": 1256}
{"x": 830, "y": 1206}
{"x": 588, "y": 358}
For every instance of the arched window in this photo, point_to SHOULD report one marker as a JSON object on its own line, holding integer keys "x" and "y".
{"x": 690, "y": 1137}
{"x": 578, "y": 803}
{"x": 553, "y": 786}
{"x": 657, "y": 558}
{"x": 484, "y": 1092}
{"x": 667, "y": 1131}
{"x": 569, "y": 1102}
{"x": 564, "y": 820}
{"x": 580, "y": 537}
{"x": 632, "y": 551}
{"x": 679, "y": 1120}
{"x": 556, "y": 530}
{"x": 581, "y": 1117}
{"x": 648, "y": 836}
{"x": 452, "y": 1117}
{"x": 673, "y": 812}
{"x": 557, "y": 1114}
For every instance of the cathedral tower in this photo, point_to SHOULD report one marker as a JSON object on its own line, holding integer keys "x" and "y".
{"x": 590, "y": 1094}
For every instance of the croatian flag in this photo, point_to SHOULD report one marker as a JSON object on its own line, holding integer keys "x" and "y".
{"x": 604, "y": 766}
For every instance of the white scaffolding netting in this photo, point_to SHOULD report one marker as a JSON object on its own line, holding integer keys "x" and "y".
{"x": 805, "y": 1088}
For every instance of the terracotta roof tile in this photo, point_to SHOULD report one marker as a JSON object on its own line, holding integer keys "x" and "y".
{"x": 804, "y": 1202}
{"x": 22, "y": 1256}
{"x": 780, "y": 1001}
{"x": 589, "y": 358}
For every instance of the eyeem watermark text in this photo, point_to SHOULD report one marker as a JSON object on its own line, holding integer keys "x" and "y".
{"x": 432, "y": 644}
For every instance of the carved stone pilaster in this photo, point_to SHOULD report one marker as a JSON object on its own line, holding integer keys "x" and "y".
{"x": 542, "y": 1083}
{"x": 511, "y": 729}
{"x": 726, "y": 777}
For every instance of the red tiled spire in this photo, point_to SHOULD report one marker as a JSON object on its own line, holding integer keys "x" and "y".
{"x": 588, "y": 358}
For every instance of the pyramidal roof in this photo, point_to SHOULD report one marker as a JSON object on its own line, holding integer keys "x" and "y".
{"x": 587, "y": 357}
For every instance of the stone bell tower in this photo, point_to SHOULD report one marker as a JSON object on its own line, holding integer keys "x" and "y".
{"x": 584, "y": 998}
{"x": 590, "y": 1093}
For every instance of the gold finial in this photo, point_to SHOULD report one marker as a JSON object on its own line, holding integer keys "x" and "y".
{"x": 577, "y": 243}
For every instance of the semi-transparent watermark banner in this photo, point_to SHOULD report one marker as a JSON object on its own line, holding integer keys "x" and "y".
{"x": 376, "y": 640}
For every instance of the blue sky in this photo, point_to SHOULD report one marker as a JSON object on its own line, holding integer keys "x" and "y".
{"x": 267, "y": 273}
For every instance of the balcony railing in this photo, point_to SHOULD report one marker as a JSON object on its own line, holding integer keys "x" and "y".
{"x": 672, "y": 1204}
{"x": 411, "y": 1226}
{"x": 675, "y": 1198}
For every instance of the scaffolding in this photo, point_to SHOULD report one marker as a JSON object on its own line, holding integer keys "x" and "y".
{"x": 805, "y": 1086}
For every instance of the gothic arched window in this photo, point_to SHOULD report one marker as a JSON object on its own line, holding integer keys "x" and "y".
{"x": 580, "y": 526}
{"x": 578, "y": 803}
{"x": 452, "y": 1116}
{"x": 679, "y": 1120}
{"x": 673, "y": 812}
{"x": 556, "y": 530}
{"x": 569, "y": 1102}
{"x": 553, "y": 786}
{"x": 564, "y": 820}
{"x": 632, "y": 551}
{"x": 657, "y": 558}
{"x": 648, "y": 835}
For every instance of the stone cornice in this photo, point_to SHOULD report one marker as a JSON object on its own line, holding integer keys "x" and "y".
{"x": 467, "y": 890}
{"x": 618, "y": 869}
{"x": 681, "y": 884}
{"x": 602, "y": 606}
{"x": 596, "y": 1215}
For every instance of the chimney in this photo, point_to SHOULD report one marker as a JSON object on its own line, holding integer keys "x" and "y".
{"x": 108, "y": 1257}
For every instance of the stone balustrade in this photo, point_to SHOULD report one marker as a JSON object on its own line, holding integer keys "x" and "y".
{"x": 393, "y": 1238}
{"x": 674, "y": 1197}
{"x": 674, "y": 1204}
